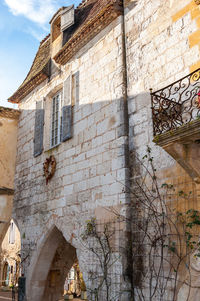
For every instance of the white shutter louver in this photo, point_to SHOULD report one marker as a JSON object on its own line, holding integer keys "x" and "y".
{"x": 67, "y": 17}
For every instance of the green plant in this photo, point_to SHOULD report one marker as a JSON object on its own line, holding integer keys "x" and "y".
{"x": 97, "y": 238}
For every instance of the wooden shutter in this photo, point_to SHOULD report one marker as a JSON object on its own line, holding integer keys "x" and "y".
{"x": 67, "y": 17}
{"x": 76, "y": 77}
{"x": 67, "y": 110}
{"x": 39, "y": 129}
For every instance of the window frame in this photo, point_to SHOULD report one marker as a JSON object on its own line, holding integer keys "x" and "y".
{"x": 59, "y": 132}
{"x": 11, "y": 237}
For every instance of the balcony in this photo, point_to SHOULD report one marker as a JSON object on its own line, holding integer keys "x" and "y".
{"x": 176, "y": 121}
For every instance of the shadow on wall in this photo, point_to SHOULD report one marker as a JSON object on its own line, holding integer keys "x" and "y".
{"x": 88, "y": 176}
{"x": 55, "y": 260}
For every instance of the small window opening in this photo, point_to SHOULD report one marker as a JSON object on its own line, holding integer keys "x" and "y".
{"x": 56, "y": 29}
{"x": 12, "y": 233}
{"x": 55, "y": 120}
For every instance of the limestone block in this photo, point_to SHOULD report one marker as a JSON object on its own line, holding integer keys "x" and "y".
{"x": 169, "y": 68}
{"x": 95, "y": 160}
{"x": 97, "y": 141}
{"x": 82, "y": 185}
{"x": 89, "y": 133}
{"x": 103, "y": 168}
{"x": 191, "y": 56}
{"x": 186, "y": 19}
{"x": 108, "y": 178}
{"x": 68, "y": 189}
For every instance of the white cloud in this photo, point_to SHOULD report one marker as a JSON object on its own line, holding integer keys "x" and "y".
{"x": 35, "y": 33}
{"x": 38, "y": 11}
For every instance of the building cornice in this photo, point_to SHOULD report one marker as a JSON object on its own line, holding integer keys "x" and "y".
{"x": 28, "y": 87}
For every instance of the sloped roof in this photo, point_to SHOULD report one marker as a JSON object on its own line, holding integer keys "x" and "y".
{"x": 9, "y": 113}
{"x": 91, "y": 16}
{"x": 37, "y": 73}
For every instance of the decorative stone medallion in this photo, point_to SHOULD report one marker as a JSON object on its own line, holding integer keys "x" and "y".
{"x": 49, "y": 167}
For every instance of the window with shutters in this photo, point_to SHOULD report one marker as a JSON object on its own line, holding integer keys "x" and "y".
{"x": 75, "y": 88}
{"x": 39, "y": 125}
{"x": 53, "y": 116}
{"x": 56, "y": 120}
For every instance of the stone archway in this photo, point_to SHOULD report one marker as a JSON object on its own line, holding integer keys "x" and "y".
{"x": 5, "y": 275}
{"x": 54, "y": 261}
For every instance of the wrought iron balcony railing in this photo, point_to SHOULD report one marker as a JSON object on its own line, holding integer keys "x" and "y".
{"x": 177, "y": 104}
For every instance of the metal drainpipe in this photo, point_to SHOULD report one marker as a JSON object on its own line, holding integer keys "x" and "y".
{"x": 128, "y": 269}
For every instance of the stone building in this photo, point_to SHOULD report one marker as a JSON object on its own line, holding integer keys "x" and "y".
{"x": 8, "y": 146}
{"x": 10, "y": 256}
{"x": 85, "y": 110}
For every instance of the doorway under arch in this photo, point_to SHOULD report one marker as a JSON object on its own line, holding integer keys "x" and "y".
{"x": 52, "y": 266}
{"x": 5, "y": 276}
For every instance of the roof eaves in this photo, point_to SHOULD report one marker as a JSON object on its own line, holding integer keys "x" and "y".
{"x": 29, "y": 84}
{"x": 28, "y": 87}
{"x": 9, "y": 113}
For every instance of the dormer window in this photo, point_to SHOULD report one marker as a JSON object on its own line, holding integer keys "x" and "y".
{"x": 67, "y": 17}
{"x": 56, "y": 28}
{"x": 62, "y": 20}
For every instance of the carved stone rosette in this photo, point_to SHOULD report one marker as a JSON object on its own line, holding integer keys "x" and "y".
{"x": 50, "y": 163}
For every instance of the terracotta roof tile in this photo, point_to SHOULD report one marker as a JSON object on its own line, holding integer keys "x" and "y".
{"x": 9, "y": 113}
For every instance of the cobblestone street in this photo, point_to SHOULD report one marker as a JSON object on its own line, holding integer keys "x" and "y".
{"x": 4, "y": 296}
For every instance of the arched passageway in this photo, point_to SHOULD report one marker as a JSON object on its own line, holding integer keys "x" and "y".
{"x": 5, "y": 276}
{"x": 10, "y": 255}
{"x": 51, "y": 268}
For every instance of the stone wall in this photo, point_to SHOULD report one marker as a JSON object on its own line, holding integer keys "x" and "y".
{"x": 10, "y": 251}
{"x": 162, "y": 40}
{"x": 91, "y": 173}
{"x": 91, "y": 166}
{"x": 8, "y": 145}
{"x": 8, "y": 137}
{"x": 159, "y": 52}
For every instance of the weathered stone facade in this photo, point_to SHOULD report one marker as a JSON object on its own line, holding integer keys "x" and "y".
{"x": 93, "y": 167}
{"x": 10, "y": 256}
{"x": 8, "y": 146}
{"x": 162, "y": 47}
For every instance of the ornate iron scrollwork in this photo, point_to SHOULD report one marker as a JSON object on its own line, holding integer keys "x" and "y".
{"x": 176, "y": 104}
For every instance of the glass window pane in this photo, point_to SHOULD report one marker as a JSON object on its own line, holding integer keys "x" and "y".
{"x": 55, "y": 121}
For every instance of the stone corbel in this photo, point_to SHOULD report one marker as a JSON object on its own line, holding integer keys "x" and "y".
{"x": 183, "y": 144}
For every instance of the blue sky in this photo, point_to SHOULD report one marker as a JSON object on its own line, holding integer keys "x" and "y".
{"x": 24, "y": 23}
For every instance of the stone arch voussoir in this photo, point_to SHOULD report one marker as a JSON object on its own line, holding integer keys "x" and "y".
{"x": 54, "y": 232}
